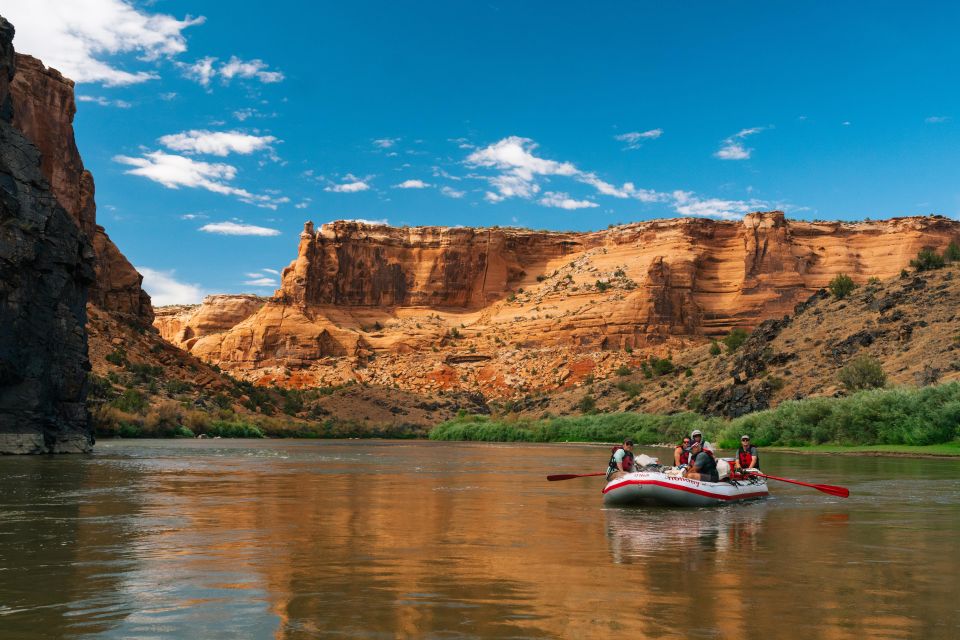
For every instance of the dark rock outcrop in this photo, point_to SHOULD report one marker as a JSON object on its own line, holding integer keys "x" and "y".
{"x": 46, "y": 267}
{"x": 43, "y": 110}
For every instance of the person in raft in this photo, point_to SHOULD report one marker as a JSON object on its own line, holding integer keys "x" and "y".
{"x": 747, "y": 456}
{"x": 681, "y": 455}
{"x": 622, "y": 459}
{"x": 703, "y": 467}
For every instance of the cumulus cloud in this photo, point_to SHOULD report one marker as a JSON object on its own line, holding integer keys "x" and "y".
{"x": 520, "y": 171}
{"x": 733, "y": 147}
{"x": 635, "y": 139}
{"x": 687, "y": 204}
{"x": 78, "y": 38}
{"x": 353, "y": 184}
{"x": 450, "y": 192}
{"x": 205, "y": 69}
{"x": 217, "y": 143}
{"x": 105, "y": 102}
{"x": 238, "y": 229}
{"x": 165, "y": 289}
{"x": 385, "y": 143}
{"x": 563, "y": 201}
{"x": 173, "y": 172}
{"x": 411, "y": 184}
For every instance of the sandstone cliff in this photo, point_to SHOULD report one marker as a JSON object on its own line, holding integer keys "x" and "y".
{"x": 46, "y": 267}
{"x": 43, "y": 110}
{"x": 509, "y": 311}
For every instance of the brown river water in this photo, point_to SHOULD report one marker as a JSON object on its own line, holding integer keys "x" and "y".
{"x": 381, "y": 539}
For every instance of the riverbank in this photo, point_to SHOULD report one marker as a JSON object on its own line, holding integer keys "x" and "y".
{"x": 923, "y": 421}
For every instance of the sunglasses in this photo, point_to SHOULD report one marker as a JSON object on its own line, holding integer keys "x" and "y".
{"x": 744, "y": 439}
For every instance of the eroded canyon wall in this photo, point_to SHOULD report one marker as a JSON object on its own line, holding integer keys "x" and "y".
{"x": 452, "y": 307}
{"x": 46, "y": 267}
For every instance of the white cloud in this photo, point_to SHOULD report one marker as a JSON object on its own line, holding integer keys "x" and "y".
{"x": 173, "y": 172}
{"x": 733, "y": 147}
{"x": 164, "y": 289}
{"x": 936, "y": 119}
{"x": 687, "y": 204}
{"x": 353, "y": 184}
{"x": 563, "y": 201}
{"x": 78, "y": 37}
{"x": 193, "y": 216}
{"x": 261, "y": 282}
{"x": 450, "y": 192}
{"x": 205, "y": 69}
{"x": 238, "y": 229}
{"x": 303, "y": 204}
{"x": 381, "y": 221}
{"x": 237, "y": 68}
{"x": 385, "y": 143}
{"x": 217, "y": 143}
{"x": 273, "y": 271}
{"x": 635, "y": 139}
{"x": 411, "y": 184}
{"x": 105, "y": 102}
{"x": 520, "y": 169}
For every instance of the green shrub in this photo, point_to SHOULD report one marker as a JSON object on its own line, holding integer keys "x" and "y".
{"x": 734, "y": 339}
{"x": 661, "y": 366}
{"x": 952, "y": 252}
{"x": 841, "y": 286}
{"x": 864, "y": 372}
{"x": 130, "y": 430}
{"x": 176, "y": 387}
{"x": 131, "y": 401}
{"x": 587, "y": 404}
{"x": 688, "y": 372}
{"x": 632, "y": 389}
{"x": 927, "y": 260}
{"x": 624, "y": 370}
{"x": 714, "y": 349}
{"x": 117, "y": 357}
{"x": 233, "y": 429}
{"x": 602, "y": 286}
{"x": 99, "y": 388}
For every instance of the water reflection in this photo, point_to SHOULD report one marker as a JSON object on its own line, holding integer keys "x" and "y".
{"x": 638, "y": 535}
{"x": 303, "y": 540}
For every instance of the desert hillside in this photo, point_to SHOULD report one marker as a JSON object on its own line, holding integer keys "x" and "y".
{"x": 510, "y": 313}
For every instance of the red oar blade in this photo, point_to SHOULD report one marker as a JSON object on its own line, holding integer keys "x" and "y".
{"x": 570, "y": 476}
{"x": 840, "y": 492}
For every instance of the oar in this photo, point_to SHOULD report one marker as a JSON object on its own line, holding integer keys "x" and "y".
{"x": 841, "y": 492}
{"x": 570, "y": 476}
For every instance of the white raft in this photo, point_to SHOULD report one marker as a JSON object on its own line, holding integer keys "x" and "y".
{"x": 658, "y": 488}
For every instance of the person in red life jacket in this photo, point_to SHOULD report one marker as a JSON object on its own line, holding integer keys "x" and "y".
{"x": 681, "y": 455}
{"x": 747, "y": 456}
{"x": 622, "y": 459}
{"x": 703, "y": 466}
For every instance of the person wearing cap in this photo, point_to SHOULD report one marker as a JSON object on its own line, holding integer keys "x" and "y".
{"x": 703, "y": 466}
{"x": 747, "y": 456}
{"x": 697, "y": 436}
{"x": 622, "y": 459}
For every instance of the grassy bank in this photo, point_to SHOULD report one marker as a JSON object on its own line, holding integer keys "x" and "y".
{"x": 901, "y": 417}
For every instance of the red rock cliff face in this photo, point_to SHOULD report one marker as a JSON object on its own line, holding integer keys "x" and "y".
{"x": 497, "y": 310}
{"x": 43, "y": 109}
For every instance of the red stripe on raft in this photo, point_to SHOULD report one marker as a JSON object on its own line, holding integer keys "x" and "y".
{"x": 671, "y": 485}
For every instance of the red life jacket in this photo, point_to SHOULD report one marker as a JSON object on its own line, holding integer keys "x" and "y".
{"x": 627, "y": 458}
{"x": 684, "y": 455}
{"x": 745, "y": 458}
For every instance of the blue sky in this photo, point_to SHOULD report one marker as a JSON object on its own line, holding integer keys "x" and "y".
{"x": 214, "y": 130}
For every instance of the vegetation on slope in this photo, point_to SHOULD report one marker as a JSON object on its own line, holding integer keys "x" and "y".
{"x": 904, "y": 416}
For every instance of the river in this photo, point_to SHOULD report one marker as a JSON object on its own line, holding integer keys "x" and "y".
{"x": 380, "y": 539}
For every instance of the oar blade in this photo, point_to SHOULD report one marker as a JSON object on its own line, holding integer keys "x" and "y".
{"x": 562, "y": 476}
{"x": 840, "y": 492}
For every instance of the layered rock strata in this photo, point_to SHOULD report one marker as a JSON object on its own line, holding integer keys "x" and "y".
{"x": 506, "y": 311}
{"x": 46, "y": 267}
{"x": 43, "y": 110}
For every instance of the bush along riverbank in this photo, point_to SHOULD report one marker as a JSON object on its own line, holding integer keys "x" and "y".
{"x": 902, "y": 416}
